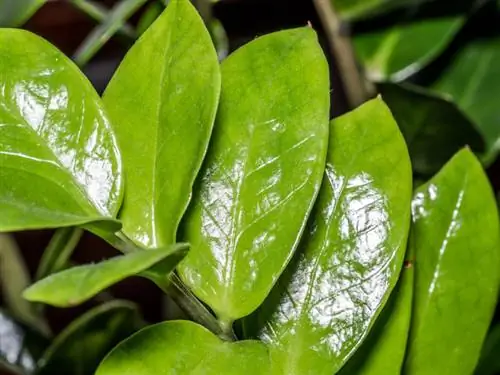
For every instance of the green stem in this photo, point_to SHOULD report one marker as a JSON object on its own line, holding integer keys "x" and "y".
{"x": 58, "y": 252}
{"x": 100, "y": 14}
{"x": 102, "y": 33}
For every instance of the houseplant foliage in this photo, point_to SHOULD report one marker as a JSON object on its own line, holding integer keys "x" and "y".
{"x": 294, "y": 251}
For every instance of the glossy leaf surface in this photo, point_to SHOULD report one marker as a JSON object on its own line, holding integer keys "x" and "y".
{"x": 80, "y": 348}
{"x": 54, "y": 136}
{"x": 455, "y": 236}
{"x": 14, "y": 13}
{"x": 433, "y": 127}
{"x": 164, "y": 113}
{"x": 78, "y": 284}
{"x": 404, "y": 49}
{"x": 181, "y": 348}
{"x": 351, "y": 255}
{"x": 20, "y": 346}
{"x": 262, "y": 172}
{"x": 383, "y": 351}
{"x": 473, "y": 82}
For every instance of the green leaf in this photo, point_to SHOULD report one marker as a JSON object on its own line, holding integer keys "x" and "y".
{"x": 80, "y": 348}
{"x": 455, "y": 236}
{"x": 325, "y": 304}
{"x": 349, "y": 9}
{"x": 20, "y": 345}
{"x": 262, "y": 173}
{"x": 383, "y": 351}
{"x": 15, "y": 277}
{"x": 183, "y": 347}
{"x": 14, "y": 13}
{"x": 165, "y": 111}
{"x": 59, "y": 161}
{"x": 433, "y": 127}
{"x": 473, "y": 82}
{"x": 489, "y": 363}
{"x": 78, "y": 284}
{"x": 151, "y": 13}
{"x": 404, "y": 49}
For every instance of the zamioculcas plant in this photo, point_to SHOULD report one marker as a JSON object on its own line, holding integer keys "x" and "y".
{"x": 296, "y": 245}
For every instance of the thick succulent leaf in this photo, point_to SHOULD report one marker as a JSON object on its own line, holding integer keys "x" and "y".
{"x": 20, "y": 346}
{"x": 397, "y": 52}
{"x": 262, "y": 172}
{"x": 59, "y": 162}
{"x": 15, "y": 12}
{"x": 472, "y": 81}
{"x": 455, "y": 237}
{"x": 489, "y": 363}
{"x": 182, "y": 348}
{"x": 78, "y": 284}
{"x": 350, "y": 258}
{"x": 383, "y": 351}
{"x": 164, "y": 113}
{"x": 80, "y": 348}
{"x": 433, "y": 127}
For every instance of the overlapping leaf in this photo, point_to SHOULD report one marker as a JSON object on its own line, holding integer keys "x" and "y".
{"x": 59, "y": 162}
{"x": 262, "y": 172}
{"x": 163, "y": 99}
{"x": 455, "y": 237}
{"x": 350, "y": 258}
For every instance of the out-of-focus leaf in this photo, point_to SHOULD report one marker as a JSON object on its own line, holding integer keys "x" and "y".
{"x": 384, "y": 349}
{"x": 181, "y": 348}
{"x": 433, "y": 127}
{"x": 165, "y": 113}
{"x": 350, "y": 9}
{"x": 20, "y": 346}
{"x": 349, "y": 260}
{"x": 149, "y": 16}
{"x": 262, "y": 172}
{"x": 219, "y": 38}
{"x": 58, "y": 252}
{"x": 489, "y": 363}
{"x": 472, "y": 81}
{"x": 80, "y": 348}
{"x": 76, "y": 285}
{"x": 59, "y": 160}
{"x": 14, "y": 278}
{"x": 402, "y": 50}
{"x": 102, "y": 33}
{"x": 455, "y": 237}
{"x": 14, "y": 13}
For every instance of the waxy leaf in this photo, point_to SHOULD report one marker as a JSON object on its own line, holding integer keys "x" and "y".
{"x": 163, "y": 99}
{"x": 20, "y": 346}
{"x": 80, "y": 348}
{"x": 14, "y": 13}
{"x": 433, "y": 127}
{"x": 404, "y": 49}
{"x": 78, "y": 284}
{"x": 455, "y": 237}
{"x": 349, "y": 261}
{"x": 262, "y": 172}
{"x": 383, "y": 351}
{"x": 59, "y": 162}
{"x": 473, "y": 82}
{"x": 181, "y": 348}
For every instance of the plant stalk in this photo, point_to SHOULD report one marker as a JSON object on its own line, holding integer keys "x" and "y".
{"x": 356, "y": 87}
